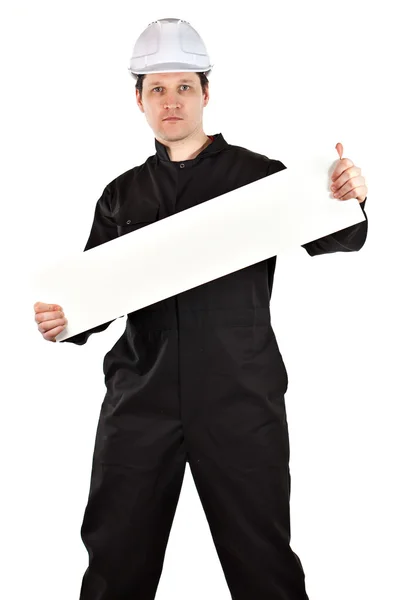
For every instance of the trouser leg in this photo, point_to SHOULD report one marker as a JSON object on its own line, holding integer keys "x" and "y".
{"x": 239, "y": 458}
{"x": 134, "y": 490}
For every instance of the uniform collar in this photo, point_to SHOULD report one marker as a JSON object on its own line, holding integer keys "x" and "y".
{"x": 217, "y": 145}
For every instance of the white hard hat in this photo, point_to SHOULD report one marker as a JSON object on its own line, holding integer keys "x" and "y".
{"x": 169, "y": 46}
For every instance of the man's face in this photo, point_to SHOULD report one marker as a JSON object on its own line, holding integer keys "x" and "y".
{"x": 173, "y": 95}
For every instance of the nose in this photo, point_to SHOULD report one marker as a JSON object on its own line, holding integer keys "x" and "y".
{"x": 171, "y": 102}
{"x": 169, "y": 105}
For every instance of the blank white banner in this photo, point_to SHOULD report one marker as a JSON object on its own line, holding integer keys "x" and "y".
{"x": 220, "y": 236}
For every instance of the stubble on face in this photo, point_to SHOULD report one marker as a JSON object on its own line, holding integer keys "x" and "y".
{"x": 184, "y": 131}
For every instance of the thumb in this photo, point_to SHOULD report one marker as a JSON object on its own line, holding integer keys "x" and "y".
{"x": 339, "y": 149}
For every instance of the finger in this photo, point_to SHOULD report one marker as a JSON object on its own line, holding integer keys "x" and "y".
{"x": 342, "y": 165}
{"x": 47, "y": 326}
{"x": 339, "y": 149}
{"x": 41, "y": 317}
{"x": 345, "y": 176}
{"x": 51, "y": 335}
{"x": 41, "y": 306}
{"x": 349, "y": 186}
{"x": 358, "y": 192}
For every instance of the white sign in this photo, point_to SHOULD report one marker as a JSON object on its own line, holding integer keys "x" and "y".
{"x": 215, "y": 238}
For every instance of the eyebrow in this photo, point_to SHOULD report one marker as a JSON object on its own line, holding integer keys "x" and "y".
{"x": 180, "y": 81}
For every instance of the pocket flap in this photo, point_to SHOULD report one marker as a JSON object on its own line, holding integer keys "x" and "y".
{"x": 136, "y": 217}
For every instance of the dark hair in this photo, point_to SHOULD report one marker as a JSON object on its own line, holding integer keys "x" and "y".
{"x": 140, "y": 79}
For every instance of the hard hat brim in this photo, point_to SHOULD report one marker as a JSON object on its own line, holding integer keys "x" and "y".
{"x": 171, "y": 68}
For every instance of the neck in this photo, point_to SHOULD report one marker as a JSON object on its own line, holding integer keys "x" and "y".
{"x": 188, "y": 148}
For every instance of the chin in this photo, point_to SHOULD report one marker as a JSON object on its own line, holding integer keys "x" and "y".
{"x": 174, "y": 137}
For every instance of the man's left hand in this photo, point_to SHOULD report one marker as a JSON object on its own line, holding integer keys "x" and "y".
{"x": 347, "y": 179}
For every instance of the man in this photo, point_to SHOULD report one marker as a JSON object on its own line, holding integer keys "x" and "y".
{"x": 198, "y": 377}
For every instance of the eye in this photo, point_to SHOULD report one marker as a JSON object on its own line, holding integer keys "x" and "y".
{"x": 160, "y": 87}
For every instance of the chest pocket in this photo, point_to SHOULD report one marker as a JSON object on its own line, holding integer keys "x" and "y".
{"x": 136, "y": 218}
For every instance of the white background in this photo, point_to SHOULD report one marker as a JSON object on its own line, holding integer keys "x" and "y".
{"x": 285, "y": 74}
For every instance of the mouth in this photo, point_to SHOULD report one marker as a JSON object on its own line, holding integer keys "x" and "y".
{"x": 173, "y": 119}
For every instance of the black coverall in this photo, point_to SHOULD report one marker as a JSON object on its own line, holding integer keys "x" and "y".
{"x": 195, "y": 378}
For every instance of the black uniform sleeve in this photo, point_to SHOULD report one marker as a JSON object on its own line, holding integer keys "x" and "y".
{"x": 103, "y": 230}
{"x": 350, "y": 239}
{"x": 346, "y": 240}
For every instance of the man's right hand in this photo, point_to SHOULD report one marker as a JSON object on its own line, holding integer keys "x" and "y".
{"x": 51, "y": 320}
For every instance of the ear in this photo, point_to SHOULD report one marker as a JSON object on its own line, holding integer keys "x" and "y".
{"x": 139, "y": 101}
{"x": 206, "y": 96}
